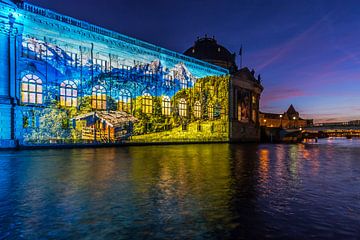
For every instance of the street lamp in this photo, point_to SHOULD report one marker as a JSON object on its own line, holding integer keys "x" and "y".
{"x": 294, "y": 118}
{"x": 281, "y": 116}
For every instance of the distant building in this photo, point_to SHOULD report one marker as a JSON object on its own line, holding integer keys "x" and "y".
{"x": 289, "y": 119}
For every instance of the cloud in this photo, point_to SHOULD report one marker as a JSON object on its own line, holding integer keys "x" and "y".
{"x": 273, "y": 95}
{"x": 283, "y": 51}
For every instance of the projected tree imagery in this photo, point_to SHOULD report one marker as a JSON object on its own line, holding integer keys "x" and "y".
{"x": 67, "y": 81}
{"x": 143, "y": 103}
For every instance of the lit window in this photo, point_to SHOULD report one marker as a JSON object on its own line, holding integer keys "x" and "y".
{"x": 31, "y": 89}
{"x": 197, "y": 109}
{"x": 68, "y": 94}
{"x": 239, "y": 112}
{"x": 254, "y": 99}
{"x": 124, "y": 103}
{"x": 182, "y": 108}
{"x": 211, "y": 111}
{"x": 147, "y": 103}
{"x": 198, "y": 87}
{"x": 99, "y": 97}
{"x": 166, "y": 106}
{"x": 183, "y": 83}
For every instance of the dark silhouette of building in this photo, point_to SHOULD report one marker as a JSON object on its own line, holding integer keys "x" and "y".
{"x": 208, "y": 50}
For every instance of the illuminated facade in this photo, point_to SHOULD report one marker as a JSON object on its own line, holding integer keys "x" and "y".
{"x": 65, "y": 81}
{"x": 287, "y": 120}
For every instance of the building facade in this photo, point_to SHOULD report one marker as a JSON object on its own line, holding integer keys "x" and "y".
{"x": 288, "y": 120}
{"x": 65, "y": 81}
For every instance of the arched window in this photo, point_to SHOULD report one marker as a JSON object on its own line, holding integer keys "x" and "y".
{"x": 166, "y": 106}
{"x": 147, "y": 103}
{"x": 124, "y": 103}
{"x": 211, "y": 111}
{"x": 197, "y": 109}
{"x": 182, "y": 108}
{"x": 99, "y": 97}
{"x": 68, "y": 94}
{"x": 31, "y": 89}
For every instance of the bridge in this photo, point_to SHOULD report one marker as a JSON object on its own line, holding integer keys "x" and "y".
{"x": 311, "y": 132}
{"x": 332, "y": 127}
{"x": 332, "y": 130}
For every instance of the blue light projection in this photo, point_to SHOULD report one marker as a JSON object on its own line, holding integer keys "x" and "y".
{"x": 79, "y": 83}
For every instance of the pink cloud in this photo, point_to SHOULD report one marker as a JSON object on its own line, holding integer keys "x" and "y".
{"x": 273, "y": 95}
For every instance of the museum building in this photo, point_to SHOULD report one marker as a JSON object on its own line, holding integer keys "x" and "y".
{"x": 66, "y": 81}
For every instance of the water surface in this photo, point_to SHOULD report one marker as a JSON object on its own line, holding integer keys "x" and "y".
{"x": 183, "y": 192}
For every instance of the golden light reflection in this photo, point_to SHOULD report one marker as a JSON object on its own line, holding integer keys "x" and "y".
{"x": 264, "y": 164}
{"x": 182, "y": 175}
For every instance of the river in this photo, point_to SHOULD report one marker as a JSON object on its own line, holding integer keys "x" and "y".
{"x": 209, "y": 191}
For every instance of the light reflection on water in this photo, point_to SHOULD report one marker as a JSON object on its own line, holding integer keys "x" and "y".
{"x": 183, "y": 191}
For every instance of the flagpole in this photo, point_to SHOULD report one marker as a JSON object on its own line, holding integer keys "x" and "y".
{"x": 241, "y": 56}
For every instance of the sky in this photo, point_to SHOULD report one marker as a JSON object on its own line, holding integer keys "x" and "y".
{"x": 307, "y": 51}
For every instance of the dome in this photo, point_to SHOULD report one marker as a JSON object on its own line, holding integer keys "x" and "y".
{"x": 208, "y": 50}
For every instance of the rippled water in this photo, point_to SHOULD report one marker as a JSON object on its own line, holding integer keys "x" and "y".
{"x": 182, "y": 192}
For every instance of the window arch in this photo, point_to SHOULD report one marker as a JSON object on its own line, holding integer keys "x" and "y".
{"x": 68, "y": 94}
{"x": 211, "y": 111}
{"x": 197, "y": 109}
{"x": 166, "y": 106}
{"x": 99, "y": 97}
{"x": 31, "y": 89}
{"x": 147, "y": 103}
{"x": 124, "y": 103}
{"x": 182, "y": 107}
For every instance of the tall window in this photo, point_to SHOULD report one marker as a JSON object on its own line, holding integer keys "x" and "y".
{"x": 147, "y": 103}
{"x": 31, "y": 89}
{"x": 124, "y": 103}
{"x": 68, "y": 94}
{"x": 182, "y": 108}
{"x": 168, "y": 81}
{"x": 99, "y": 97}
{"x": 166, "y": 106}
{"x": 211, "y": 111}
{"x": 239, "y": 117}
{"x": 183, "y": 83}
{"x": 198, "y": 87}
{"x": 101, "y": 64}
{"x": 197, "y": 109}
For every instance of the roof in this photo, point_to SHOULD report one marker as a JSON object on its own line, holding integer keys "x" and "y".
{"x": 291, "y": 110}
{"x": 112, "y": 118}
{"x": 245, "y": 73}
{"x": 207, "y": 49}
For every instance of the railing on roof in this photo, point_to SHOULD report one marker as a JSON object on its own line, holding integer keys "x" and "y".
{"x": 103, "y": 31}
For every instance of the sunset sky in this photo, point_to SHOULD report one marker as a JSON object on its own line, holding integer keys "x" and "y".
{"x": 307, "y": 52}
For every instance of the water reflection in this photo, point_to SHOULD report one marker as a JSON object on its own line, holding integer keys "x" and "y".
{"x": 191, "y": 191}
